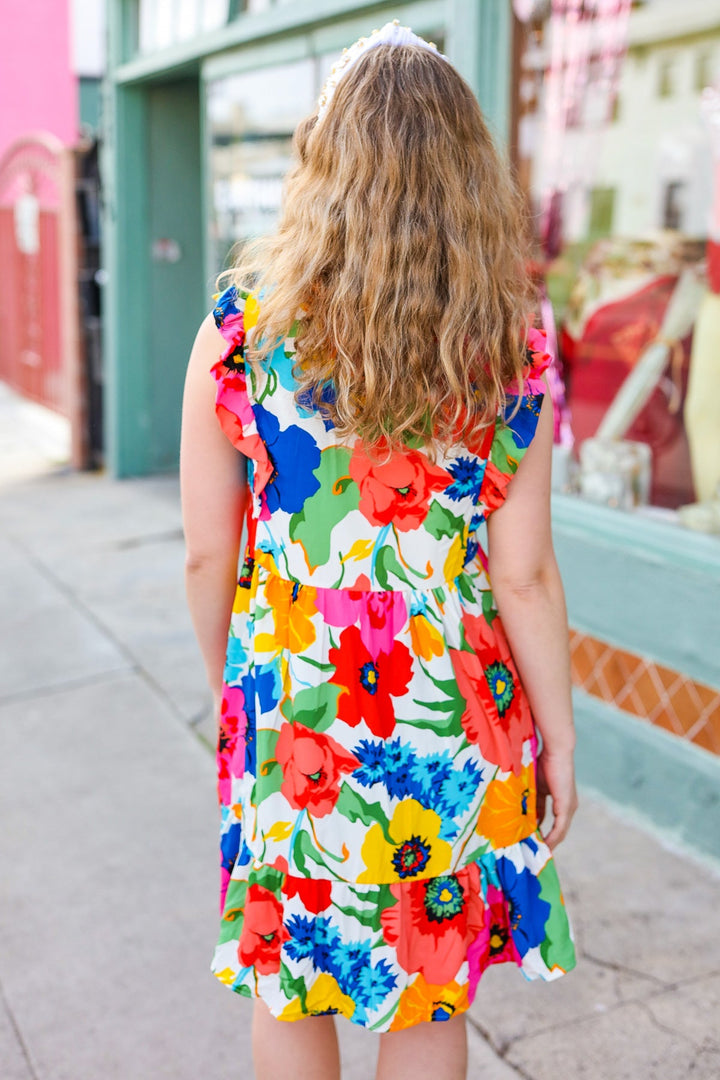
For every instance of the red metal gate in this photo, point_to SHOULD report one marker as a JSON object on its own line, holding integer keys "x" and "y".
{"x": 39, "y": 332}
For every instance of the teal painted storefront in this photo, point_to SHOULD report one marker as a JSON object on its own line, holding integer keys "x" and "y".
{"x": 642, "y": 585}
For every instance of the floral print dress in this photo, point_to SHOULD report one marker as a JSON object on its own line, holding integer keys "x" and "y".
{"x": 379, "y": 841}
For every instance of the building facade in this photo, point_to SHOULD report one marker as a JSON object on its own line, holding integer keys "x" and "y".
{"x": 200, "y": 103}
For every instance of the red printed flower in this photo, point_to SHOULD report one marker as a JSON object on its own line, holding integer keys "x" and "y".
{"x": 396, "y": 490}
{"x": 494, "y": 487}
{"x": 314, "y": 893}
{"x": 433, "y": 923}
{"x": 312, "y": 765}
{"x": 263, "y": 932}
{"x": 497, "y": 715}
{"x": 368, "y": 682}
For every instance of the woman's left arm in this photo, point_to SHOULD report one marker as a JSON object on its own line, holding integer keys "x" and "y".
{"x": 213, "y": 484}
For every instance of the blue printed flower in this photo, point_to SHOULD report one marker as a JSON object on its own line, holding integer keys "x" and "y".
{"x": 326, "y": 941}
{"x": 371, "y": 755}
{"x": 373, "y": 984}
{"x": 248, "y": 689}
{"x": 528, "y": 913}
{"x": 459, "y": 789}
{"x": 467, "y": 476}
{"x": 302, "y": 937}
{"x": 524, "y": 422}
{"x": 316, "y": 939}
{"x": 230, "y": 846}
{"x": 399, "y": 763}
{"x": 294, "y": 455}
{"x": 398, "y": 754}
{"x": 428, "y": 774}
{"x": 267, "y": 686}
{"x": 235, "y": 661}
{"x": 327, "y": 397}
{"x": 349, "y": 962}
{"x": 471, "y": 549}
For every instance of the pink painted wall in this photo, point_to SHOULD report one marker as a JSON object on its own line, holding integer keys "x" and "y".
{"x": 38, "y": 90}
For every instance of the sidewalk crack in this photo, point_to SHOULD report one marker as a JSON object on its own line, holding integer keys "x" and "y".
{"x": 499, "y": 1049}
{"x": 133, "y": 661}
{"x": 24, "y": 1048}
{"x": 623, "y": 969}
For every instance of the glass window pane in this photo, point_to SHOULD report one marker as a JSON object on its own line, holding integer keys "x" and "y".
{"x": 622, "y": 200}
{"x": 252, "y": 117}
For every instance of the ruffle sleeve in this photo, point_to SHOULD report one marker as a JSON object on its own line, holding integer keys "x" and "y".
{"x": 235, "y": 312}
{"x": 516, "y": 426}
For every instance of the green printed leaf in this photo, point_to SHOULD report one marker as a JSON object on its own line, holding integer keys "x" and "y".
{"x": 505, "y": 453}
{"x": 268, "y": 877}
{"x": 476, "y": 854}
{"x": 465, "y": 588}
{"x": 292, "y": 987}
{"x": 231, "y": 922}
{"x": 442, "y": 522}
{"x": 316, "y": 707}
{"x": 447, "y": 725}
{"x": 388, "y": 563}
{"x": 354, "y": 808}
{"x": 370, "y": 918}
{"x": 336, "y": 497}
{"x": 303, "y": 849}
{"x": 268, "y": 781}
{"x": 488, "y": 607}
{"x": 557, "y": 950}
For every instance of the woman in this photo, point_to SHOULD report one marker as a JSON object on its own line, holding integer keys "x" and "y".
{"x": 377, "y": 702}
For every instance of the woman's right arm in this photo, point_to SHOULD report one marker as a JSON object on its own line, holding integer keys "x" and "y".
{"x": 214, "y": 494}
{"x": 529, "y": 595}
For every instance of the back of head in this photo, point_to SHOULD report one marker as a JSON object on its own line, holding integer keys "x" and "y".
{"x": 401, "y": 238}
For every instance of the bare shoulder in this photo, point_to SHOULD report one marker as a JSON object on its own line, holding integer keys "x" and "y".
{"x": 207, "y": 347}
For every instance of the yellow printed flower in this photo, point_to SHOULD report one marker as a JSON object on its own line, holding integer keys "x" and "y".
{"x": 508, "y": 811}
{"x": 324, "y": 996}
{"x": 251, "y": 312}
{"x": 241, "y": 603}
{"x": 427, "y": 641}
{"x": 455, "y": 559}
{"x": 423, "y": 1001}
{"x": 293, "y": 607}
{"x": 415, "y": 850}
{"x": 227, "y": 976}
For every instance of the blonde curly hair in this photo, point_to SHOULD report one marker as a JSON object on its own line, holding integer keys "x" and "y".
{"x": 402, "y": 241}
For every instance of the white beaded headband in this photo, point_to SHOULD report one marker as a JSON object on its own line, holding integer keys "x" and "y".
{"x": 391, "y": 33}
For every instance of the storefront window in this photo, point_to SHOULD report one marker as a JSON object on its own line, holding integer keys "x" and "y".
{"x": 166, "y": 22}
{"x": 623, "y": 200}
{"x": 251, "y": 119}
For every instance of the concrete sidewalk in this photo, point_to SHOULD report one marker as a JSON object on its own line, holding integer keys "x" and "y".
{"x": 108, "y": 843}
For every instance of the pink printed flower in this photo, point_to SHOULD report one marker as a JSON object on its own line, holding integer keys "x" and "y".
{"x": 381, "y": 615}
{"x": 231, "y": 740}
